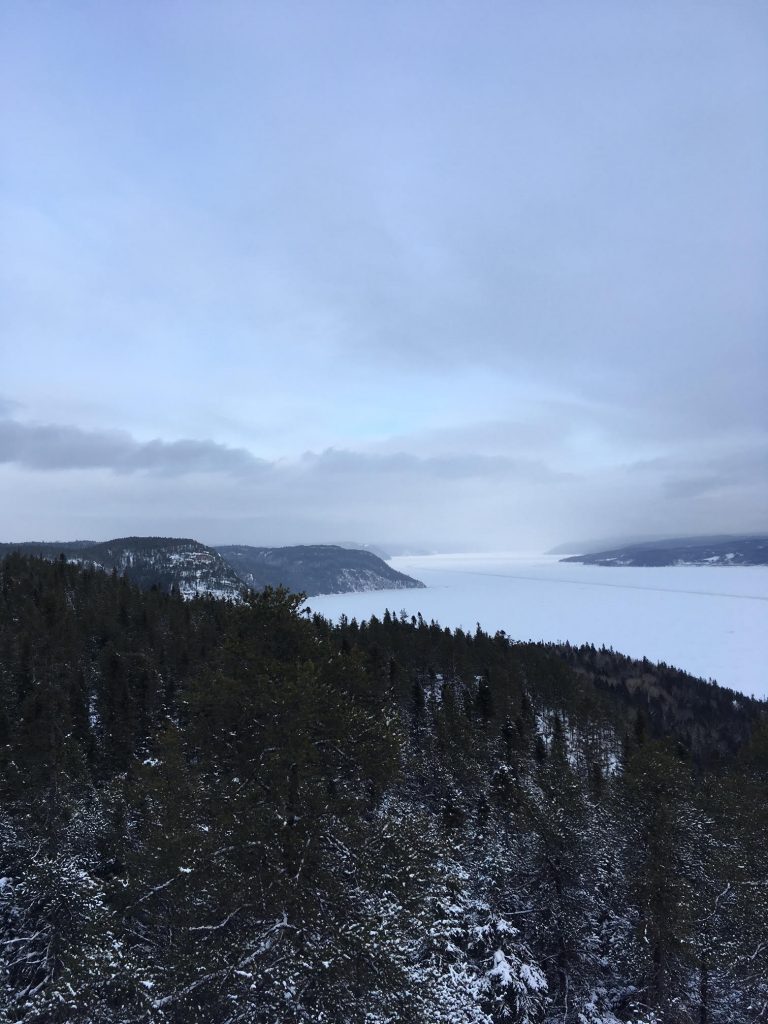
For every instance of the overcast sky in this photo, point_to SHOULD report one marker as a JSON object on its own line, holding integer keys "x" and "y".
{"x": 482, "y": 275}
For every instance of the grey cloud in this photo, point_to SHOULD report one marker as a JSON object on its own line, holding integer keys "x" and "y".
{"x": 451, "y": 466}
{"x": 693, "y": 487}
{"x": 458, "y": 498}
{"x": 742, "y": 472}
{"x": 467, "y": 503}
{"x": 8, "y": 407}
{"x": 60, "y": 447}
{"x": 57, "y": 447}
{"x": 546, "y": 428}
{"x": 733, "y": 464}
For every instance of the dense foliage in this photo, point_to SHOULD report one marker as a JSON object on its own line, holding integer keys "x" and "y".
{"x": 214, "y": 812}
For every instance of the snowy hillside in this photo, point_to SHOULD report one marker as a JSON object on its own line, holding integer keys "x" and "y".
{"x": 195, "y": 569}
{"x": 213, "y": 812}
{"x": 163, "y": 562}
{"x": 315, "y": 569}
{"x": 685, "y": 551}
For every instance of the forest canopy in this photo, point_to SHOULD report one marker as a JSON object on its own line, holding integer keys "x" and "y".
{"x": 221, "y": 812}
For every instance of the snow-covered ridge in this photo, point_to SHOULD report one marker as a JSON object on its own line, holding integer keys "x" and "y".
{"x": 688, "y": 551}
{"x": 164, "y": 562}
{"x": 316, "y": 569}
{"x": 196, "y": 570}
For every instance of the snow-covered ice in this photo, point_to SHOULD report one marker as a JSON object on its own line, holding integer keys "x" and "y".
{"x": 711, "y": 621}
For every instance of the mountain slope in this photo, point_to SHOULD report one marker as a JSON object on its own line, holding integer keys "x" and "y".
{"x": 167, "y": 562}
{"x": 733, "y": 550}
{"x": 314, "y": 569}
{"x": 163, "y": 562}
{"x": 231, "y": 812}
{"x": 195, "y": 569}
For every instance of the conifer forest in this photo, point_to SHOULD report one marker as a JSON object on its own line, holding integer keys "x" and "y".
{"x": 239, "y": 813}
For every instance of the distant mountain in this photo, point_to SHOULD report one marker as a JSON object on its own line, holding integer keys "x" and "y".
{"x": 314, "y": 569}
{"x": 594, "y": 545}
{"x": 163, "y": 562}
{"x": 719, "y": 550}
{"x": 374, "y": 548}
{"x": 394, "y": 550}
{"x": 195, "y": 569}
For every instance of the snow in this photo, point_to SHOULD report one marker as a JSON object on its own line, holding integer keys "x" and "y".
{"x": 501, "y": 969}
{"x": 532, "y": 978}
{"x": 711, "y": 621}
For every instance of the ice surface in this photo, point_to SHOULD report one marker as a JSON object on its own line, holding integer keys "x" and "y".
{"x": 711, "y": 621}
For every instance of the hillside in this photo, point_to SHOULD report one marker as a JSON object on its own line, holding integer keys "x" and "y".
{"x": 167, "y": 562}
{"x": 314, "y": 569}
{"x": 163, "y": 562}
{"x": 215, "y": 812}
{"x": 735, "y": 550}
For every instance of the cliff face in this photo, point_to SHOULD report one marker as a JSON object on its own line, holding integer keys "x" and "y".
{"x": 314, "y": 569}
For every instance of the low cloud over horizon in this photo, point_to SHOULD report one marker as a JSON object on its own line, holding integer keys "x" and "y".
{"x": 449, "y": 500}
{"x": 447, "y": 276}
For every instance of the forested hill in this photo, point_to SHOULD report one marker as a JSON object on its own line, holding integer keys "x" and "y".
{"x": 193, "y": 568}
{"x": 163, "y": 562}
{"x": 315, "y": 569}
{"x": 732, "y": 550}
{"x": 214, "y": 812}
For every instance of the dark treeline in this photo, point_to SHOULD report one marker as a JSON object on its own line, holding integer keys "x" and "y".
{"x": 225, "y": 813}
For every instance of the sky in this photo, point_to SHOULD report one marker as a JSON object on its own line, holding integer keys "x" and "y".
{"x": 483, "y": 276}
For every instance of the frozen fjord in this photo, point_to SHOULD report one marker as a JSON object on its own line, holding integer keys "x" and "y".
{"x": 711, "y": 621}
